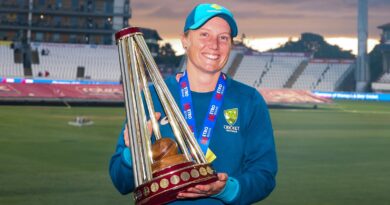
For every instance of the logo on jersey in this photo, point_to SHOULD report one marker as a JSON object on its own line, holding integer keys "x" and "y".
{"x": 231, "y": 116}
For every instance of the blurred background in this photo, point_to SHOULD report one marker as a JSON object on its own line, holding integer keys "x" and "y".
{"x": 323, "y": 68}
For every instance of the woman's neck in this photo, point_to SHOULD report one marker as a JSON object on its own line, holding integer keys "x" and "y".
{"x": 202, "y": 81}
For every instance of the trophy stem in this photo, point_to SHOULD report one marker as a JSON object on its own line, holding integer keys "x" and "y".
{"x": 143, "y": 133}
{"x": 164, "y": 101}
{"x": 157, "y": 79}
{"x": 148, "y": 97}
{"x": 130, "y": 107}
{"x": 174, "y": 125}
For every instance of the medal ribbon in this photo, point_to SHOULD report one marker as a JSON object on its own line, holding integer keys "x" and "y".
{"x": 215, "y": 104}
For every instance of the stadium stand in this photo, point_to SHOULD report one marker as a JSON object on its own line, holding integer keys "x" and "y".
{"x": 333, "y": 77}
{"x": 274, "y": 70}
{"x": 252, "y": 68}
{"x": 268, "y": 70}
{"x": 99, "y": 62}
{"x": 383, "y": 84}
{"x": 309, "y": 76}
{"x": 385, "y": 78}
{"x": 8, "y": 67}
{"x": 282, "y": 67}
{"x": 323, "y": 75}
{"x": 232, "y": 56}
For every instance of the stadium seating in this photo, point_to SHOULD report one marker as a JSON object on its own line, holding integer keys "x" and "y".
{"x": 308, "y": 79}
{"x": 383, "y": 84}
{"x": 273, "y": 70}
{"x": 62, "y": 60}
{"x": 251, "y": 69}
{"x": 333, "y": 77}
{"x": 260, "y": 70}
{"x": 385, "y": 78}
{"x": 232, "y": 56}
{"x": 8, "y": 68}
{"x": 324, "y": 75}
{"x": 282, "y": 67}
{"x": 268, "y": 70}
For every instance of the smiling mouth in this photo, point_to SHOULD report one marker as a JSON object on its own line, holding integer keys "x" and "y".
{"x": 211, "y": 56}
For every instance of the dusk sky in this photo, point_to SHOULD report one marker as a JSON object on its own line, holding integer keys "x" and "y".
{"x": 269, "y": 20}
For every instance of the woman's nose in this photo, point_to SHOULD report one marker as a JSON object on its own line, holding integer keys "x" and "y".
{"x": 213, "y": 43}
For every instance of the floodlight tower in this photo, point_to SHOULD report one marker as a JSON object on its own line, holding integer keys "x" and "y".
{"x": 29, "y": 20}
{"x": 362, "y": 70}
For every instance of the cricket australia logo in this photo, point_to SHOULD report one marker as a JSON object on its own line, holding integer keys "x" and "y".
{"x": 231, "y": 116}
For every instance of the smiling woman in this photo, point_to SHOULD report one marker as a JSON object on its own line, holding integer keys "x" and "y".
{"x": 229, "y": 120}
{"x": 208, "y": 50}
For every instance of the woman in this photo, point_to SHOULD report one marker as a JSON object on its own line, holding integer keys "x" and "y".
{"x": 236, "y": 134}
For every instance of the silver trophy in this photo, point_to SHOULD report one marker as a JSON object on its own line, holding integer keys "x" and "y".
{"x": 166, "y": 167}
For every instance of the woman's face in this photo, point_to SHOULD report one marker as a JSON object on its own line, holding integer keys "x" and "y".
{"x": 209, "y": 46}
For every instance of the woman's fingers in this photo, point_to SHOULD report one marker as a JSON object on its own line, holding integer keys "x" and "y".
{"x": 205, "y": 190}
{"x": 126, "y": 136}
{"x": 157, "y": 115}
{"x": 185, "y": 195}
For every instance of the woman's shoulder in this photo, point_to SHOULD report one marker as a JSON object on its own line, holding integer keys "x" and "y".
{"x": 241, "y": 90}
{"x": 170, "y": 81}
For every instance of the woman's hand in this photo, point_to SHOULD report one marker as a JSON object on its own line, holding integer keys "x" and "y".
{"x": 205, "y": 190}
{"x": 157, "y": 115}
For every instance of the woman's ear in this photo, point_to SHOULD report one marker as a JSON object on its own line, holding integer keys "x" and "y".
{"x": 184, "y": 41}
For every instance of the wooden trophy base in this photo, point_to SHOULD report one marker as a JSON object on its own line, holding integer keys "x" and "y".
{"x": 172, "y": 173}
{"x": 168, "y": 182}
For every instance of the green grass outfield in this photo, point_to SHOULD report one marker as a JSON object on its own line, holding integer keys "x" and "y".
{"x": 337, "y": 154}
